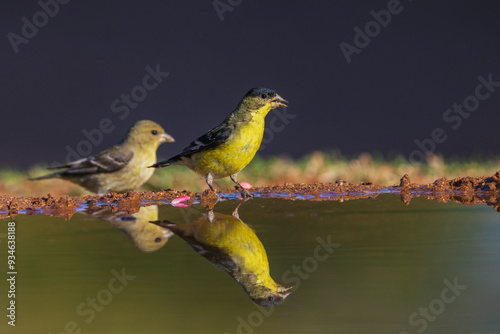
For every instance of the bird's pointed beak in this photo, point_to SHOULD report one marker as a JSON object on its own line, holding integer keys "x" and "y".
{"x": 278, "y": 101}
{"x": 285, "y": 291}
{"x": 166, "y": 138}
{"x": 167, "y": 233}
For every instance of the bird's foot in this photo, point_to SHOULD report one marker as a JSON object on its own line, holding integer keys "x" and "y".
{"x": 217, "y": 195}
{"x": 211, "y": 216}
{"x": 235, "y": 211}
{"x": 245, "y": 194}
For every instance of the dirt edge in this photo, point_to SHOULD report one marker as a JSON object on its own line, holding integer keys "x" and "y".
{"x": 465, "y": 190}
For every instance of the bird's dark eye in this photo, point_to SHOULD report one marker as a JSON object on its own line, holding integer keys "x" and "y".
{"x": 271, "y": 298}
{"x": 154, "y": 132}
{"x": 264, "y": 96}
{"x": 158, "y": 239}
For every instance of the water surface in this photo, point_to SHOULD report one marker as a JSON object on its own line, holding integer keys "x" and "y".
{"x": 360, "y": 266}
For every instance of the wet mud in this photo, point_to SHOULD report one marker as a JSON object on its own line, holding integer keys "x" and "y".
{"x": 465, "y": 190}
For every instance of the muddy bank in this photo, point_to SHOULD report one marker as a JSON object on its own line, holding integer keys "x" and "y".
{"x": 66, "y": 206}
{"x": 465, "y": 190}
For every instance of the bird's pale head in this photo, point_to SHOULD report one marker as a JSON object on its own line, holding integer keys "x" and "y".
{"x": 145, "y": 236}
{"x": 148, "y": 134}
{"x": 261, "y": 100}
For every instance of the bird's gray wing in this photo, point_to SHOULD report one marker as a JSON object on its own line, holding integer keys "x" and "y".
{"x": 106, "y": 162}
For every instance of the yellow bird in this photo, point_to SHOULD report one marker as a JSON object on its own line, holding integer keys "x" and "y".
{"x": 120, "y": 168}
{"x": 233, "y": 246}
{"x": 229, "y": 147}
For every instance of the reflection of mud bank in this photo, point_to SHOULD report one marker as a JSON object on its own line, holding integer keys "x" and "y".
{"x": 465, "y": 190}
{"x": 129, "y": 202}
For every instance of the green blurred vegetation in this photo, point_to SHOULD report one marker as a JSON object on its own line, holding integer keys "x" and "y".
{"x": 316, "y": 167}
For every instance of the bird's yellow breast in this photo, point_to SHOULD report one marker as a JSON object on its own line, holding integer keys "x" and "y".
{"x": 232, "y": 156}
{"x": 234, "y": 238}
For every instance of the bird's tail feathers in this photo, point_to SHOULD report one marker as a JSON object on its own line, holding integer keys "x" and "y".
{"x": 69, "y": 164}
{"x": 44, "y": 177}
{"x": 171, "y": 161}
{"x": 161, "y": 164}
{"x": 165, "y": 223}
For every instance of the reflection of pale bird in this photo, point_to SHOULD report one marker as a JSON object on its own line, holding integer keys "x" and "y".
{"x": 145, "y": 236}
{"x": 232, "y": 245}
{"x": 120, "y": 168}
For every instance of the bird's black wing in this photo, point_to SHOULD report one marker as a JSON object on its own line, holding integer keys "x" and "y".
{"x": 213, "y": 138}
{"x": 105, "y": 162}
{"x": 209, "y": 140}
{"x": 214, "y": 254}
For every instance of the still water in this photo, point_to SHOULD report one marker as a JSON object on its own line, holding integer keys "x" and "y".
{"x": 360, "y": 266}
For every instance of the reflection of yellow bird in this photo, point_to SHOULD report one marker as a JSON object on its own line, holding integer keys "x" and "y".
{"x": 145, "y": 236}
{"x": 120, "y": 168}
{"x": 232, "y": 245}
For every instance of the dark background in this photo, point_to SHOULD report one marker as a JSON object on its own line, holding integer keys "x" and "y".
{"x": 393, "y": 92}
